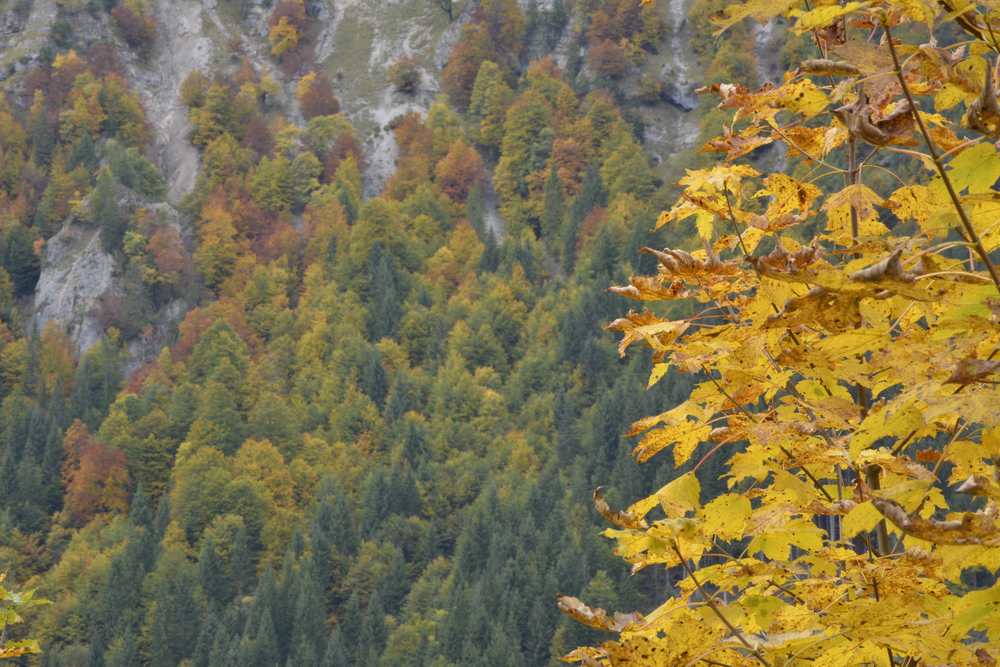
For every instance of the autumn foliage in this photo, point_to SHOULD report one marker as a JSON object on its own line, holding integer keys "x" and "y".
{"x": 287, "y": 23}
{"x": 459, "y": 171}
{"x": 95, "y": 474}
{"x": 315, "y": 95}
{"x": 608, "y": 58}
{"x": 138, "y": 30}
{"x": 841, "y": 324}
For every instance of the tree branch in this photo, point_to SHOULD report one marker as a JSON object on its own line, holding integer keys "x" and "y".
{"x": 936, "y": 157}
{"x": 710, "y": 601}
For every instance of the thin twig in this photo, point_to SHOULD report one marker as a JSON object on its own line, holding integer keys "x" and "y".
{"x": 715, "y": 608}
{"x": 788, "y": 140}
{"x": 788, "y": 454}
{"x": 746, "y": 255}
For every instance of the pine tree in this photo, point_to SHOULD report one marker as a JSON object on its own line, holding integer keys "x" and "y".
{"x": 373, "y": 630}
{"x": 323, "y": 535}
{"x": 83, "y": 154}
{"x": 309, "y": 626}
{"x": 349, "y": 628}
{"x": 212, "y": 573}
{"x": 175, "y": 616}
{"x": 222, "y": 647}
{"x": 106, "y": 212}
{"x": 489, "y": 261}
{"x": 552, "y": 214}
{"x": 336, "y": 652}
{"x": 123, "y": 653}
{"x": 265, "y": 643}
{"x": 372, "y": 379}
{"x": 591, "y": 195}
{"x": 403, "y": 496}
{"x": 283, "y": 607}
{"x": 376, "y": 503}
{"x": 17, "y": 244}
{"x": 491, "y": 97}
{"x": 207, "y": 636}
{"x": 43, "y": 134}
{"x": 241, "y": 564}
{"x": 386, "y": 309}
{"x": 97, "y": 382}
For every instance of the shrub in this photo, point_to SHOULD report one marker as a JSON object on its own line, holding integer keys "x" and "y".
{"x": 315, "y": 93}
{"x": 138, "y": 31}
{"x": 404, "y": 75}
{"x": 608, "y": 59}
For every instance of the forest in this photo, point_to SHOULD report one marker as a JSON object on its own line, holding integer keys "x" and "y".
{"x": 332, "y": 421}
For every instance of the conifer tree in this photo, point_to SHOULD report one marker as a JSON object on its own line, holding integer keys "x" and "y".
{"x": 553, "y": 209}
{"x": 241, "y": 564}
{"x": 309, "y": 627}
{"x": 491, "y": 97}
{"x": 106, "y": 212}
{"x": 174, "y": 617}
{"x": 265, "y": 643}
{"x": 336, "y": 653}
{"x": 212, "y": 573}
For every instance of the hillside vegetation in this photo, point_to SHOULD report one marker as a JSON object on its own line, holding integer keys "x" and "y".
{"x": 308, "y": 314}
{"x": 335, "y": 414}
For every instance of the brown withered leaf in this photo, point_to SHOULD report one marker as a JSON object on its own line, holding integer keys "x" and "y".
{"x": 834, "y": 311}
{"x": 646, "y": 326}
{"x": 983, "y": 114}
{"x": 877, "y": 127}
{"x": 980, "y": 485}
{"x": 622, "y": 519}
{"x": 723, "y": 434}
{"x": 739, "y": 144}
{"x": 972, "y": 370}
{"x": 734, "y": 95}
{"x": 888, "y": 276}
{"x": 588, "y": 656}
{"x": 595, "y": 618}
{"x": 944, "y": 138}
{"x": 650, "y": 288}
{"x": 827, "y": 67}
{"x": 831, "y": 36}
{"x": 994, "y": 306}
{"x": 873, "y": 61}
{"x": 935, "y": 66}
{"x": 835, "y": 508}
{"x": 780, "y": 261}
{"x": 928, "y": 456}
{"x": 968, "y": 19}
{"x": 682, "y": 263}
{"x": 889, "y": 269}
{"x": 776, "y": 225}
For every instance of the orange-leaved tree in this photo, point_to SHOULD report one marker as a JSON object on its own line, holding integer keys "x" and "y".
{"x": 843, "y": 327}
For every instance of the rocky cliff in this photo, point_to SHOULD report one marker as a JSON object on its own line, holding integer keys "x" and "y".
{"x": 356, "y": 40}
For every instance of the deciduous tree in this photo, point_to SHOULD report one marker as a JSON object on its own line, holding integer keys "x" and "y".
{"x": 844, "y": 365}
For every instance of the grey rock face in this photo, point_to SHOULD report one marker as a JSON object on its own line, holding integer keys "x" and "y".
{"x": 181, "y": 47}
{"x": 677, "y": 89}
{"x": 76, "y": 272}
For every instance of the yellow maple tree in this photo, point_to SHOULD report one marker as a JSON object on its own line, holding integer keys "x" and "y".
{"x": 845, "y": 342}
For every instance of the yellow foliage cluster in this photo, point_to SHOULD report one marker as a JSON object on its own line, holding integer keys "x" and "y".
{"x": 283, "y": 37}
{"x": 846, "y": 335}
